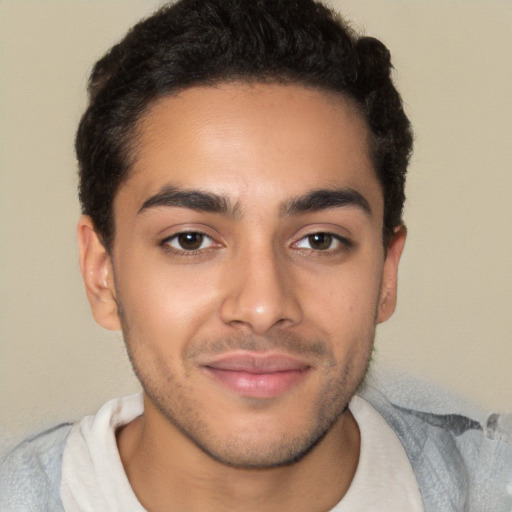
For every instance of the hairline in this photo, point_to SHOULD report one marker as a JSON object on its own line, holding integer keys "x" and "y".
{"x": 134, "y": 132}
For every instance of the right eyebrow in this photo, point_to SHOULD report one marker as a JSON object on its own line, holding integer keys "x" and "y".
{"x": 193, "y": 199}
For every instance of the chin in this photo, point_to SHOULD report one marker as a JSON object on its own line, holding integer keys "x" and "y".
{"x": 252, "y": 452}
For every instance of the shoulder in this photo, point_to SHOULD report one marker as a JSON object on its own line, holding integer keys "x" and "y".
{"x": 457, "y": 459}
{"x": 30, "y": 474}
{"x": 474, "y": 458}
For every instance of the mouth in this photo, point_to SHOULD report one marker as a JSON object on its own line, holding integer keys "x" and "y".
{"x": 257, "y": 375}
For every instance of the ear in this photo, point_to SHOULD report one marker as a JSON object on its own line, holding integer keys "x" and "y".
{"x": 388, "y": 292}
{"x": 97, "y": 273}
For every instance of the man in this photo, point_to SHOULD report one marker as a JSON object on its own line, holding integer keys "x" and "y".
{"x": 242, "y": 172}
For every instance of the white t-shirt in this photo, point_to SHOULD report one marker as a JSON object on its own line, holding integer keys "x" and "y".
{"x": 93, "y": 476}
{"x": 384, "y": 479}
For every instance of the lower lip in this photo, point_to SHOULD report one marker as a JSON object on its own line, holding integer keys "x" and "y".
{"x": 257, "y": 385}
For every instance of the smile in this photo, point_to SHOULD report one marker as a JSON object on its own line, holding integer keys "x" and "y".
{"x": 257, "y": 375}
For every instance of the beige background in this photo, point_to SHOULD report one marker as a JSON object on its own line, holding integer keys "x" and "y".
{"x": 454, "y": 321}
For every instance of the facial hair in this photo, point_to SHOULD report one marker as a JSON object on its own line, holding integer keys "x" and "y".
{"x": 176, "y": 401}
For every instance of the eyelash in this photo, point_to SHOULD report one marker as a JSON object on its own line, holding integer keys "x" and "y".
{"x": 345, "y": 244}
{"x": 165, "y": 243}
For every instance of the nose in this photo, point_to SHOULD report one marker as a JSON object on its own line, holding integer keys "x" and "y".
{"x": 261, "y": 293}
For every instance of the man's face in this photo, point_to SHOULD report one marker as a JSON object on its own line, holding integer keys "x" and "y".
{"x": 249, "y": 268}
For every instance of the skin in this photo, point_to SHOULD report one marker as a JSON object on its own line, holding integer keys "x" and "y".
{"x": 271, "y": 276}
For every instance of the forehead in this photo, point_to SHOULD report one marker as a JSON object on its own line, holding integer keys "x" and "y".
{"x": 250, "y": 142}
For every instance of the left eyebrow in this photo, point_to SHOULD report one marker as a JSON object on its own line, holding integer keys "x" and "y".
{"x": 325, "y": 199}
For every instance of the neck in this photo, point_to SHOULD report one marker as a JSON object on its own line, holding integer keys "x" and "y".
{"x": 169, "y": 472}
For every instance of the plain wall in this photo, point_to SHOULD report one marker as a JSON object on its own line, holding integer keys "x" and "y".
{"x": 453, "y": 325}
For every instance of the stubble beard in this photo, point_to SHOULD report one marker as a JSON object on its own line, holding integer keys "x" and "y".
{"x": 172, "y": 399}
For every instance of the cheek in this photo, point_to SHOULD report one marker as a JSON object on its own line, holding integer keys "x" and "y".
{"x": 165, "y": 301}
{"x": 345, "y": 302}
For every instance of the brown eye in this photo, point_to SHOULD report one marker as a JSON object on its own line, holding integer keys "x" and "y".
{"x": 189, "y": 241}
{"x": 320, "y": 241}
{"x": 323, "y": 242}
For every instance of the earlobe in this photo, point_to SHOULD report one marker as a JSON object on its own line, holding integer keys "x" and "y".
{"x": 97, "y": 274}
{"x": 388, "y": 294}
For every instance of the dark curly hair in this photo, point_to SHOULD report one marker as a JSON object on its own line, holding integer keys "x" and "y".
{"x": 207, "y": 42}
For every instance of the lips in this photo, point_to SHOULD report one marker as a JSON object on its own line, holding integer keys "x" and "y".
{"x": 257, "y": 375}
